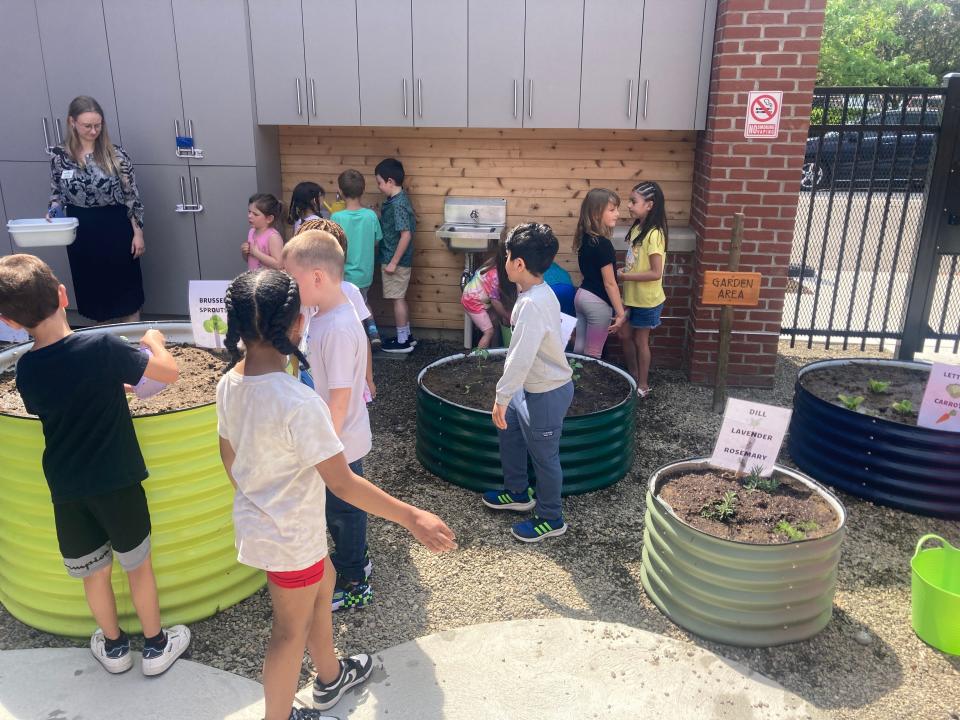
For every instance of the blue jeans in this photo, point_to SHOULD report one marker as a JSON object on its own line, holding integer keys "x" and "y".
{"x": 534, "y": 425}
{"x": 348, "y": 527}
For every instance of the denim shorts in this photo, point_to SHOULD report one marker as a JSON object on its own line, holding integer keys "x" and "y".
{"x": 645, "y": 317}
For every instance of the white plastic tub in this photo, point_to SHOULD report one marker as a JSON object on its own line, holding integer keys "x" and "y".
{"x": 42, "y": 232}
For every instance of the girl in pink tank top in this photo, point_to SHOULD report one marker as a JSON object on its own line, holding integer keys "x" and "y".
{"x": 264, "y": 244}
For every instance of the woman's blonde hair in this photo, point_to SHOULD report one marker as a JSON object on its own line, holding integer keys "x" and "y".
{"x": 591, "y": 215}
{"x": 103, "y": 152}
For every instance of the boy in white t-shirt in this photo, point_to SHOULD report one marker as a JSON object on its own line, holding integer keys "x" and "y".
{"x": 337, "y": 351}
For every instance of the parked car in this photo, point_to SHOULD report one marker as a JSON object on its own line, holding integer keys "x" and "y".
{"x": 867, "y": 159}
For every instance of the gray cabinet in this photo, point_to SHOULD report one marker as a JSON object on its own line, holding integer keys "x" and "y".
{"x": 386, "y": 62}
{"x": 440, "y": 62}
{"x": 215, "y": 79}
{"x": 609, "y": 77}
{"x": 670, "y": 64}
{"x": 27, "y": 122}
{"x": 170, "y": 260}
{"x": 332, "y": 79}
{"x": 6, "y": 243}
{"x": 222, "y": 226}
{"x": 76, "y": 59}
{"x": 496, "y": 63}
{"x": 25, "y": 187}
{"x": 146, "y": 78}
{"x": 552, "y": 45}
{"x": 276, "y": 39}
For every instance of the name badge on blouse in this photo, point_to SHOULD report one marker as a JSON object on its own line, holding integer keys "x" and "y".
{"x": 66, "y": 175}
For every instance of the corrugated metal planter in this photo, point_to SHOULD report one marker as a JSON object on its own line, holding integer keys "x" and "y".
{"x": 459, "y": 444}
{"x": 190, "y": 499}
{"x": 889, "y": 463}
{"x": 734, "y": 592}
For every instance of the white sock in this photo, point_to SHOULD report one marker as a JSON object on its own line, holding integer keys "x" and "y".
{"x": 403, "y": 334}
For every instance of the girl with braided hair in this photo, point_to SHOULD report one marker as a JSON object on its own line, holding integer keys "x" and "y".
{"x": 280, "y": 451}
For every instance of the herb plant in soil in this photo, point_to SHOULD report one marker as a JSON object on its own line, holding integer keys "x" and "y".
{"x": 749, "y": 508}
{"x": 472, "y": 382}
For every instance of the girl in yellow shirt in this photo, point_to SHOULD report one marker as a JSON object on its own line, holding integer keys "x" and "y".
{"x": 642, "y": 277}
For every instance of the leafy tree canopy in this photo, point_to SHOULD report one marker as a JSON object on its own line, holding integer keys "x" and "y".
{"x": 889, "y": 42}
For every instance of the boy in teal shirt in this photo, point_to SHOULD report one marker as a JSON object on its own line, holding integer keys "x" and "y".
{"x": 362, "y": 228}
{"x": 398, "y": 224}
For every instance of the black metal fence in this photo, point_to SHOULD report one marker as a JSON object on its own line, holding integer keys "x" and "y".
{"x": 863, "y": 192}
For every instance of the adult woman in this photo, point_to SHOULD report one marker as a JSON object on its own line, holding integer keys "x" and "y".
{"x": 93, "y": 181}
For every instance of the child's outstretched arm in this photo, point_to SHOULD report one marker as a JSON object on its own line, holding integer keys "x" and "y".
{"x": 426, "y": 527}
{"x": 161, "y": 367}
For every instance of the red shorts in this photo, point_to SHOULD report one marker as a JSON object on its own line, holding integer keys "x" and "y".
{"x": 298, "y": 578}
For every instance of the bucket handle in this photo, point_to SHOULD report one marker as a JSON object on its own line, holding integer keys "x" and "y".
{"x": 932, "y": 536}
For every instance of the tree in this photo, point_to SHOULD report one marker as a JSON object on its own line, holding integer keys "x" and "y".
{"x": 864, "y": 42}
{"x": 932, "y": 32}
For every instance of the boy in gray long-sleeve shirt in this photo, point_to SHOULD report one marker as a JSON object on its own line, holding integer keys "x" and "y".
{"x": 535, "y": 391}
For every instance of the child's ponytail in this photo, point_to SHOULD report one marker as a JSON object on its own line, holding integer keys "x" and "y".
{"x": 262, "y": 305}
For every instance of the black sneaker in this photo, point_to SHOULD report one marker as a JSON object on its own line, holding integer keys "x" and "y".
{"x": 392, "y": 345}
{"x": 308, "y": 714}
{"x": 353, "y": 671}
{"x": 352, "y": 595}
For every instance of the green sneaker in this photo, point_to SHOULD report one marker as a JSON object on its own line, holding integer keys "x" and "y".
{"x": 352, "y": 595}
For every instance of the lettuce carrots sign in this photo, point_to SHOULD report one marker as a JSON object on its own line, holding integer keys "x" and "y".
{"x": 940, "y": 408}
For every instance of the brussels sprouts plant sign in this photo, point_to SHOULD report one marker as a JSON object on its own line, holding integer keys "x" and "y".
{"x": 208, "y": 314}
{"x": 750, "y": 436}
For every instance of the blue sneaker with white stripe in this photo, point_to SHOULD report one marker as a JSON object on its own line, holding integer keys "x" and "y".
{"x": 536, "y": 529}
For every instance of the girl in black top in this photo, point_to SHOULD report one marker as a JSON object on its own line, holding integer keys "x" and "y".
{"x": 598, "y": 299}
{"x": 93, "y": 181}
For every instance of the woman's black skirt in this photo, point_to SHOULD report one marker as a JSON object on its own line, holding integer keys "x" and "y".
{"x": 106, "y": 278}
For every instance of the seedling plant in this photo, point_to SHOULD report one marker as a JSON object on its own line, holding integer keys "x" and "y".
{"x": 798, "y": 532}
{"x": 902, "y": 407}
{"x": 755, "y": 481}
{"x": 877, "y": 387}
{"x": 723, "y": 510}
{"x": 577, "y": 368}
{"x": 850, "y": 402}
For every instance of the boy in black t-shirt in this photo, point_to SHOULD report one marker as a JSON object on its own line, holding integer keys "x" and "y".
{"x": 91, "y": 460}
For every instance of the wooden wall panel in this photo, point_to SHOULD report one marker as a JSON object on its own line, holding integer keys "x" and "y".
{"x": 543, "y": 174}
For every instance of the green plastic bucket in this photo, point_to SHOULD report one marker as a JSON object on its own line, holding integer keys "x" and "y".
{"x": 936, "y": 594}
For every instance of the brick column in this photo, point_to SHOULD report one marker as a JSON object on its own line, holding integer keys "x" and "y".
{"x": 758, "y": 45}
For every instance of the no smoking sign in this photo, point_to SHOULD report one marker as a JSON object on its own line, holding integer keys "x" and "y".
{"x": 763, "y": 114}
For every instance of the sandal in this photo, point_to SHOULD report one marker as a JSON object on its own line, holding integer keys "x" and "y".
{"x": 641, "y": 393}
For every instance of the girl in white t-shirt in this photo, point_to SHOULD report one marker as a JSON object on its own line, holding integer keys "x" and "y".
{"x": 279, "y": 449}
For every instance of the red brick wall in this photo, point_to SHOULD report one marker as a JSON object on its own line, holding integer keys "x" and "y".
{"x": 758, "y": 45}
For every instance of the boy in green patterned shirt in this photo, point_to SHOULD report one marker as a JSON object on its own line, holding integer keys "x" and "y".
{"x": 398, "y": 223}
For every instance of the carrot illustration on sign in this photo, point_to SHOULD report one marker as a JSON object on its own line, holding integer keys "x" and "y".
{"x": 946, "y": 416}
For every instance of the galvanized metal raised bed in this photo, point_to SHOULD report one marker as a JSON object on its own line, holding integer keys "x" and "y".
{"x": 459, "y": 444}
{"x": 735, "y": 592}
{"x": 907, "y": 467}
{"x": 190, "y": 501}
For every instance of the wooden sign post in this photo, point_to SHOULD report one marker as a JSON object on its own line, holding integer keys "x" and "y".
{"x": 728, "y": 289}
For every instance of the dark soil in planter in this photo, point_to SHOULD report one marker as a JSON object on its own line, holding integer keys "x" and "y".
{"x": 759, "y": 517}
{"x": 852, "y": 380}
{"x": 474, "y": 384}
{"x": 200, "y": 369}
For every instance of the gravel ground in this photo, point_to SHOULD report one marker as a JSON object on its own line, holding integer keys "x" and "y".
{"x": 866, "y": 664}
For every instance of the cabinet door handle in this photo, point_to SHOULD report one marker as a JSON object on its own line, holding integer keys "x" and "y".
{"x": 404, "y": 97}
{"x": 629, "y": 96}
{"x": 646, "y": 97}
{"x": 419, "y": 98}
{"x": 299, "y": 106}
{"x": 183, "y": 195}
{"x": 190, "y": 129}
{"x": 176, "y": 129}
{"x": 530, "y": 102}
{"x": 196, "y": 194}
{"x": 192, "y": 207}
{"x": 313, "y": 96}
{"x": 46, "y": 136}
{"x": 515, "y": 85}
{"x": 59, "y": 134}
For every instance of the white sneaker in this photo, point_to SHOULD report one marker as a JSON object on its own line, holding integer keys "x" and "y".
{"x": 117, "y": 660}
{"x": 158, "y": 661}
